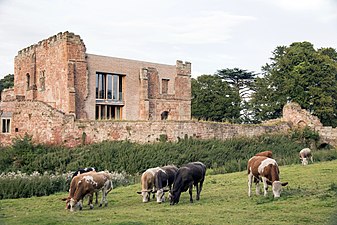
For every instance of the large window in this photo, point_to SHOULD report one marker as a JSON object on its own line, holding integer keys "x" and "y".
{"x": 164, "y": 86}
{"x": 109, "y": 86}
{"x": 109, "y": 96}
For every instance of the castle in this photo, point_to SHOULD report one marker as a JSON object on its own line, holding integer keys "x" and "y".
{"x": 65, "y": 96}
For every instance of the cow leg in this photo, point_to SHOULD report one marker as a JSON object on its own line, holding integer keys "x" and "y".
{"x": 250, "y": 181}
{"x": 190, "y": 192}
{"x": 103, "y": 197}
{"x": 265, "y": 186}
{"x": 96, "y": 193}
{"x": 199, "y": 189}
{"x": 91, "y": 196}
{"x": 257, "y": 185}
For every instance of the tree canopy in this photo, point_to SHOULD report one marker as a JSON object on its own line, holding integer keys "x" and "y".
{"x": 213, "y": 99}
{"x": 7, "y": 82}
{"x": 302, "y": 74}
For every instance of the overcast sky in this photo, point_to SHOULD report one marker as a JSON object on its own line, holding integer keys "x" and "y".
{"x": 211, "y": 34}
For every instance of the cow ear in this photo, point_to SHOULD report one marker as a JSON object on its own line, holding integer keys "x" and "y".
{"x": 269, "y": 182}
{"x": 139, "y": 192}
{"x": 284, "y": 184}
{"x": 64, "y": 199}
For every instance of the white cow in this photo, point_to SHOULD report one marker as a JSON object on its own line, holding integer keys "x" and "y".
{"x": 305, "y": 153}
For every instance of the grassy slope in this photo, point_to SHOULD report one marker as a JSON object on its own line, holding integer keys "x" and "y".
{"x": 310, "y": 198}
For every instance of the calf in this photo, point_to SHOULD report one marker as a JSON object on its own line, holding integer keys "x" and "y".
{"x": 87, "y": 184}
{"x": 268, "y": 154}
{"x": 147, "y": 183}
{"x": 164, "y": 178}
{"x": 267, "y": 169}
{"x": 304, "y": 155}
{"x": 187, "y": 176}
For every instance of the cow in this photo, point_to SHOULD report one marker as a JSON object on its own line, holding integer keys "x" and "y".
{"x": 268, "y": 154}
{"x": 304, "y": 155}
{"x": 164, "y": 178}
{"x": 87, "y": 184}
{"x": 188, "y": 175}
{"x": 86, "y": 170}
{"x": 147, "y": 183}
{"x": 262, "y": 167}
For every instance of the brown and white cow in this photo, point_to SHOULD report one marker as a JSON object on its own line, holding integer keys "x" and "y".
{"x": 304, "y": 155}
{"x": 268, "y": 154}
{"x": 164, "y": 179}
{"x": 267, "y": 169}
{"x": 147, "y": 183}
{"x": 87, "y": 184}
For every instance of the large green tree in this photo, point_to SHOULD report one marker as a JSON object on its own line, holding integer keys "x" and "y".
{"x": 7, "y": 82}
{"x": 301, "y": 74}
{"x": 213, "y": 99}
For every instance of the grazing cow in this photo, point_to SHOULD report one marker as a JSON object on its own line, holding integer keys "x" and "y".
{"x": 268, "y": 154}
{"x": 86, "y": 170}
{"x": 164, "y": 178}
{"x": 87, "y": 184}
{"x": 147, "y": 182}
{"x": 267, "y": 169}
{"x": 304, "y": 155}
{"x": 188, "y": 175}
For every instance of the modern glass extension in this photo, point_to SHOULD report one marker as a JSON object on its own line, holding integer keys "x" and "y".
{"x": 109, "y": 96}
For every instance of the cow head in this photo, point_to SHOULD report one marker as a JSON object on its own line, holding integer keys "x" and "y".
{"x": 160, "y": 194}
{"x": 174, "y": 197}
{"x": 304, "y": 161}
{"x": 145, "y": 194}
{"x": 277, "y": 188}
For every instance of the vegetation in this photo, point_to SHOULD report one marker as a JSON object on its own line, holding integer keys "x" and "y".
{"x": 231, "y": 155}
{"x": 296, "y": 73}
{"x": 7, "y": 82}
{"x": 309, "y": 198}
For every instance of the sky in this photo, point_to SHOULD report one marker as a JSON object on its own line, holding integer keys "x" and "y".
{"x": 211, "y": 34}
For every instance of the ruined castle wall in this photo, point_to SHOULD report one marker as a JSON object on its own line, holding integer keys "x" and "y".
{"x": 51, "y": 65}
{"x": 50, "y": 126}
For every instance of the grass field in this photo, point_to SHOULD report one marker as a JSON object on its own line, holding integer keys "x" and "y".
{"x": 309, "y": 198}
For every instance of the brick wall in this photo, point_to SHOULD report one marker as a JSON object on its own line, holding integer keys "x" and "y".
{"x": 50, "y": 126}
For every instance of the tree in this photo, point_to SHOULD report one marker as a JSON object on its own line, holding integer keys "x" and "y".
{"x": 7, "y": 82}
{"x": 301, "y": 74}
{"x": 241, "y": 81}
{"x": 213, "y": 99}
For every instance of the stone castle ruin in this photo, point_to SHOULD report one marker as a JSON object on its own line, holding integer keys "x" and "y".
{"x": 63, "y": 95}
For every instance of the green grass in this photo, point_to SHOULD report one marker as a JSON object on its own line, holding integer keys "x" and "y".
{"x": 310, "y": 198}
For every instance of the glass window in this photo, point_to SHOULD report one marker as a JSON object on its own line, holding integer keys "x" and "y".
{"x": 6, "y": 125}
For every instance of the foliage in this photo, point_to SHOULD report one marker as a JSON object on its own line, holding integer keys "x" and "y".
{"x": 230, "y": 155}
{"x": 22, "y": 185}
{"x": 213, "y": 99}
{"x": 309, "y": 198}
{"x": 7, "y": 82}
{"x": 301, "y": 74}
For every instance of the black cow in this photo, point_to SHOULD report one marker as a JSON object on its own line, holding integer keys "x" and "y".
{"x": 84, "y": 170}
{"x": 164, "y": 178}
{"x": 188, "y": 175}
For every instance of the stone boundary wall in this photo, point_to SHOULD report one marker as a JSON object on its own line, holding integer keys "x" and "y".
{"x": 50, "y": 126}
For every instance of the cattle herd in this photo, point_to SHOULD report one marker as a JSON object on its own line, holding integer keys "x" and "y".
{"x": 158, "y": 180}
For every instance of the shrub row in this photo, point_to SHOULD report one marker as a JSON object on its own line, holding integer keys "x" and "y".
{"x": 231, "y": 155}
{"x": 21, "y": 185}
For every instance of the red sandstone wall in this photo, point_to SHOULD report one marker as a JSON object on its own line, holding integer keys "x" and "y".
{"x": 59, "y": 58}
{"x": 51, "y": 126}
